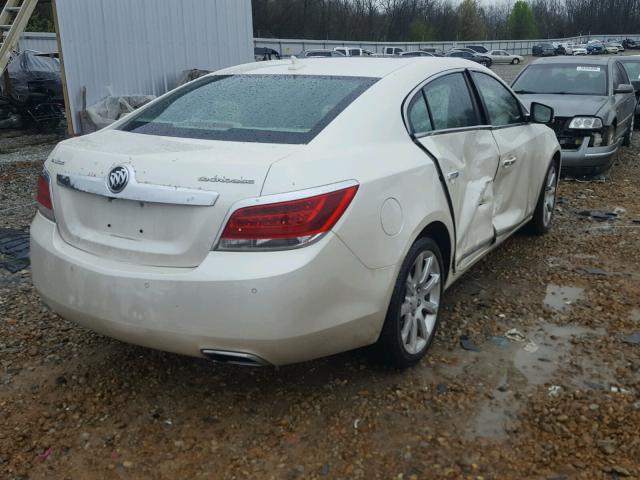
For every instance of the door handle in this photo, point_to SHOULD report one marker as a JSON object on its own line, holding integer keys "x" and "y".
{"x": 509, "y": 161}
{"x": 451, "y": 176}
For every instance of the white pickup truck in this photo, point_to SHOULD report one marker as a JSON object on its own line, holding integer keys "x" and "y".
{"x": 353, "y": 52}
{"x": 392, "y": 51}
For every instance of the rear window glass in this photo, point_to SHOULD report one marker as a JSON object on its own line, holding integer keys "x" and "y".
{"x": 568, "y": 79}
{"x": 251, "y": 108}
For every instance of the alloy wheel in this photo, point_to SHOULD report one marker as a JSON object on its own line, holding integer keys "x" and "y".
{"x": 550, "y": 189}
{"x": 419, "y": 311}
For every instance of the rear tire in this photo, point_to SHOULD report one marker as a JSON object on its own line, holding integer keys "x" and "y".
{"x": 414, "y": 311}
{"x": 541, "y": 221}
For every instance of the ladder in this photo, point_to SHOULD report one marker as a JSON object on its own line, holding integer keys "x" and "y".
{"x": 13, "y": 20}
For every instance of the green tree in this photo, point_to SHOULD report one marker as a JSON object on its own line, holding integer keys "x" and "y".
{"x": 419, "y": 31}
{"x": 470, "y": 24}
{"x": 521, "y": 24}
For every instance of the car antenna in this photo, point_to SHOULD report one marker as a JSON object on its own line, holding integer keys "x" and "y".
{"x": 295, "y": 63}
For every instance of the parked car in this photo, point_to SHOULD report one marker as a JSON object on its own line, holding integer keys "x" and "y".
{"x": 223, "y": 223}
{"x": 595, "y": 47}
{"x": 543, "y": 50}
{"x": 474, "y": 57}
{"x": 392, "y": 51}
{"x": 617, "y": 44}
{"x": 463, "y": 49}
{"x": 262, "y": 54}
{"x": 593, "y": 102}
{"x": 631, "y": 64}
{"x": 433, "y": 51}
{"x": 577, "y": 50}
{"x": 478, "y": 49}
{"x": 609, "y": 48}
{"x": 559, "y": 48}
{"x": 319, "y": 52}
{"x": 354, "y": 52}
{"x": 630, "y": 43}
{"x": 568, "y": 48}
{"x": 500, "y": 56}
{"x": 416, "y": 53}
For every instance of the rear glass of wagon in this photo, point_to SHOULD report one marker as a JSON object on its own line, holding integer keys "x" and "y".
{"x": 251, "y": 108}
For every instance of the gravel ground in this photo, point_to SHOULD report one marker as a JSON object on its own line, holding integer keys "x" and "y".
{"x": 562, "y": 404}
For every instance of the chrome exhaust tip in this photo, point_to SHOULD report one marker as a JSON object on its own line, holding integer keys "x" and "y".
{"x": 234, "y": 358}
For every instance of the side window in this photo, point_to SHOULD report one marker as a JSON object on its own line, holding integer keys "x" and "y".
{"x": 450, "y": 102}
{"x": 502, "y": 106}
{"x": 619, "y": 76}
{"x": 341, "y": 50}
{"x": 418, "y": 114}
{"x": 355, "y": 52}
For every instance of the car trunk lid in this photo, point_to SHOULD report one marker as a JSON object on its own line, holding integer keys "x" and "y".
{"x": 174, "y": 204}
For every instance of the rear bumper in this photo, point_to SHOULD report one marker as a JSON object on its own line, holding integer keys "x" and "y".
{"x": 589, "y": 157}
{"x": 283, "y": 307}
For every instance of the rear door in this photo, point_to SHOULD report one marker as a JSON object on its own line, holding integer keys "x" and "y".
{"x": 445, "y": 119}
{"x": 517, "y": 173}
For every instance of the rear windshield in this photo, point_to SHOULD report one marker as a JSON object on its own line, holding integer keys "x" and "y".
{"x": 251, "y": 108}
{"x": 569, "y": 79}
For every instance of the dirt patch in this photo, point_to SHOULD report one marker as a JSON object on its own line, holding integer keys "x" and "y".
{"x": 560, "y": 399}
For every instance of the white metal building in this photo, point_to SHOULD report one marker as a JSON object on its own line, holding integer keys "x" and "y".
{"x": 125, "y": 47}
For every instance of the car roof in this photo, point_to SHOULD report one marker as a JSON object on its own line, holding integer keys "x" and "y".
{"x": 633, "y": 58}
{"x": 375, "y": 67}
{"x": 574, "y": 60}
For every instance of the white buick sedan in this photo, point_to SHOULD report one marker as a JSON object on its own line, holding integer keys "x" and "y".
{"x": 281, "y": 211}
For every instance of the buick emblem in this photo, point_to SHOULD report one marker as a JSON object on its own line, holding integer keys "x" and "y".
{"x": 118, "y": 179}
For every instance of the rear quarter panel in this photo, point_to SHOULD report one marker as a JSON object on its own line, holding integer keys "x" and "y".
{"x": 397, "y": 177}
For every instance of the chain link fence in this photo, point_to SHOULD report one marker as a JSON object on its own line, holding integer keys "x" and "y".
{"x": 519, "y": 47}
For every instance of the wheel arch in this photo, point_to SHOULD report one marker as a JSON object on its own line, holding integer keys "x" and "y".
{"x": 439, "y": 233}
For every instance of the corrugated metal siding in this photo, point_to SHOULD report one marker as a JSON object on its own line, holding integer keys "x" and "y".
{"x": 125, "y": 47}
{"x": 42, "y": 42}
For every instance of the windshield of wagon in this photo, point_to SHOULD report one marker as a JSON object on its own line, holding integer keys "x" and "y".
{"x": 569, "y": 79}
{"x": 250, "y": 108}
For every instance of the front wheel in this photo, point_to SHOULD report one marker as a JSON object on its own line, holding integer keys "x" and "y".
{"x": 414, "y": 310}
{"x": 515, "y": 61}
{"x": 541, "y": 221}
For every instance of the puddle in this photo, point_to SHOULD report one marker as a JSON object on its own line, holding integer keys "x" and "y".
{"x": 513, "y": 371}
{"x": 562, "y": 298}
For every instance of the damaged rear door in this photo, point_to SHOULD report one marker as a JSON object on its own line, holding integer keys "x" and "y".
{"x": 446, "y": 121}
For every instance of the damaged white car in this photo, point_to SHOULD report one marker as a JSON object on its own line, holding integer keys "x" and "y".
{"x": 277, "y": 212}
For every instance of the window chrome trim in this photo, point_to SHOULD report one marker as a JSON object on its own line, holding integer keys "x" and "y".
{"x": 278, "y": 198}
{"x": 140, "y": 192}
{"x": 409, "y": 98}
{"x": 452, "y": 130}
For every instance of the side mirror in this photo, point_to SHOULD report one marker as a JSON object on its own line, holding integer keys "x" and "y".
{"x": 541, "y": 113}
{"x": 624, "y": 88}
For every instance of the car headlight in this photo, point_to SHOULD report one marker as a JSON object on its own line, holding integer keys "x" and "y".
{"x": 588, "y": 123}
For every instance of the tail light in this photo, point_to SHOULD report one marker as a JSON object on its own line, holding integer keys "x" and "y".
{"x": 288, "y": 224}
{"x": 43, "y": 196}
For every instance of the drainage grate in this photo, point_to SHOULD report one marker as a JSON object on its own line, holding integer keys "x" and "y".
{"x": 14, "y": 249}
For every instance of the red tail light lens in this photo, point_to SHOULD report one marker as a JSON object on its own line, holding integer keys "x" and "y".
{"x": 43, "y": 196}
{"x": 287, "y": 224}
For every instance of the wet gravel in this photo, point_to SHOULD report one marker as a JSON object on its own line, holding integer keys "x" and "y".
{"x": 559, "y": 398}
